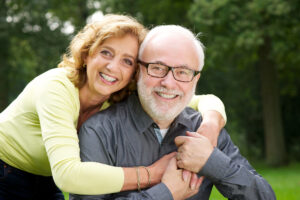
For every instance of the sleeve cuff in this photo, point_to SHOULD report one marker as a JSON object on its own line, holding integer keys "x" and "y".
{"x": 160, "y": 191}
{"x": 216, "y": 166}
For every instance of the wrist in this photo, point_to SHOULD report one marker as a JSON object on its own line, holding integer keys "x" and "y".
{"x": 213, "y": 119}
{"x": 145, "y": 179}
{"x": 155, "y": 175}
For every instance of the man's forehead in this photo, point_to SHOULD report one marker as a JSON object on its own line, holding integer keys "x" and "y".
{"x": 171, "y": 49}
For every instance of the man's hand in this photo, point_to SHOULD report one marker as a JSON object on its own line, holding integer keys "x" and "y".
{"x": 193, "y": 151}
{"x": 179, "y": 185}
{"x": 211, "y": 126}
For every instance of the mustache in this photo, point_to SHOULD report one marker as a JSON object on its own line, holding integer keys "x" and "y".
{"x": 169, "y": 91}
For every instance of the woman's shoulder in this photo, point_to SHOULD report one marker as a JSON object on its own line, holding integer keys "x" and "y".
{"x": 55, "y": 73}
{"x": 54, "y": 76}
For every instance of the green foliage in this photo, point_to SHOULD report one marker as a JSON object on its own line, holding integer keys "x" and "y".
{"x": 151, "y": 12}
{"x": 242, "y": 37}
{"x": 284, "y": 181}
{"x": 28, "y": 45}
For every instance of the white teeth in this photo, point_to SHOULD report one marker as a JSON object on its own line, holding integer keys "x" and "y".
{"x": 108, "y": 78}
{"x": 167, "y": 96}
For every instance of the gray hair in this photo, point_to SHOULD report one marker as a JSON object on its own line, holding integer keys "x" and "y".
{"x": 175, "y": 29}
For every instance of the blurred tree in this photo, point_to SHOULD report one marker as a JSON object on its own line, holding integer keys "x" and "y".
{"x": 151, "y": 12}
{"x": 31, "y": 42}
{"x": 258, "y": 35}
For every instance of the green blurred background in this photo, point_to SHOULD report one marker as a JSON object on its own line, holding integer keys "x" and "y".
{"x": 252, "y": 60}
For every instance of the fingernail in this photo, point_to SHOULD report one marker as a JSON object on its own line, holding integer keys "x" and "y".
{"x": 185, "y": 178}
{"x": 193, "y": 186}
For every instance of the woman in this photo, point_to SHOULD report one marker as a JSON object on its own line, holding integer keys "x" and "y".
{"x": 38, "y": 131}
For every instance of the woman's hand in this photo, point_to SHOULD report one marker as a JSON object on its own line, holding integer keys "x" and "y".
{"x": 178, "y": 185}
{"x": 158, "y": 168}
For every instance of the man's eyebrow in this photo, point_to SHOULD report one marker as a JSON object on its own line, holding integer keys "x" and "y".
{"x": 160, "y": 62}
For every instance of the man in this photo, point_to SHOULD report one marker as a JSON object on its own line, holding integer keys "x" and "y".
{"x": 153, "y": 123}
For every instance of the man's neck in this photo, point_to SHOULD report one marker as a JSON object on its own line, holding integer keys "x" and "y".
{"x": 163, "y": 124}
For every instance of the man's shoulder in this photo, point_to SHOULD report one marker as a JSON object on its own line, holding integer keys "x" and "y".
{"x": 190, "y": 113}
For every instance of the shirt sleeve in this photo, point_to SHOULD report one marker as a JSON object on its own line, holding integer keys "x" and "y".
{"x": 232, "y": 174}
{"x": 56, "y": 108}
{"x": 203, "y": 103}
{"x": 159, "y": 191}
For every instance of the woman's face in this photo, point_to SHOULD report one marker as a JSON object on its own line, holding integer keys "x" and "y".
{"x": 112, "y": 65}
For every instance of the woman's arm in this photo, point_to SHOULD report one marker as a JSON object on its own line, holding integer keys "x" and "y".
{"x": 156, "y": 171}
{"x": 57, "y": 106}
{"x": 213, "y": 114}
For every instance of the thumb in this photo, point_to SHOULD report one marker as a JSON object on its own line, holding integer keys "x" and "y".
{"x": 193, "y": 134}
{"x": 172, "y": 164}
{"x": 179, "y": 140}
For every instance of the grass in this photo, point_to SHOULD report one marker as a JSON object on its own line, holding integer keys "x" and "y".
{"x": 285, "y": 181}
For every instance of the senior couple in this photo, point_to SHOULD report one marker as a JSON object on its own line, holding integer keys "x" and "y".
{"x": 144, "y": 147}
{"x": 155, "y": 121}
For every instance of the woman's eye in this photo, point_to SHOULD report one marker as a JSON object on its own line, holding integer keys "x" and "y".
{"x": 106, "y": 53}
{"x": 128, "y": 62}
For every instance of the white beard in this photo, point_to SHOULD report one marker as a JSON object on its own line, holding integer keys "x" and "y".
{"x": 159, "y": 110}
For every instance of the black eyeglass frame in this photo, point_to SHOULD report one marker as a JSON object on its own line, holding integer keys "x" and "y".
{"x": 145, "y": 64}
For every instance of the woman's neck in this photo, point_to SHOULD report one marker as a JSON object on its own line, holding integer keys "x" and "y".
{"x": 90, "y": 101}
{"x": 89, "y": 104}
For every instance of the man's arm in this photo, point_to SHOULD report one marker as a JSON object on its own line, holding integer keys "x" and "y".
{"x": 229, "y": 171}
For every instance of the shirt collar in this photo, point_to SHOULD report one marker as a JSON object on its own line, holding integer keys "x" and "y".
{"x": 140, "y": 118}
{"x": 143, "y": 121}
{"x": 184, "y": 118}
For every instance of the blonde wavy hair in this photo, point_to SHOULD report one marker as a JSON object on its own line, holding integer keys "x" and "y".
{"x": 90, "y": 37}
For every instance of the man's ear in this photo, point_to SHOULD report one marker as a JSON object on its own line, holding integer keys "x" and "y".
{"x": 197, "y": 77}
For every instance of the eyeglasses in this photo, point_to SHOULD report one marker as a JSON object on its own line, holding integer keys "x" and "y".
{"x": 160, "y": 70}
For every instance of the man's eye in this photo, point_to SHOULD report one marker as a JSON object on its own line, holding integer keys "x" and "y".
{"x": 183, "y": 72}
{"x": 157, "y": 68}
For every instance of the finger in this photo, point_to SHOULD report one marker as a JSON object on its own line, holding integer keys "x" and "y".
{"x": 172, "y": 164}
{"x": 185, "y": 175}
{"x": 177, "y": 156}
{"x": 193, "y": 134}
{"x": 194, "y": 181}
{"x": 180, "y": 164}
{"x": 169, "y": 156}
{"x": 199, "y": 182}
{"x": 179, "y": 140}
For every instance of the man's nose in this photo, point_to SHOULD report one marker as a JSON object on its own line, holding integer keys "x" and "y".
{"x": 168, "y": 80}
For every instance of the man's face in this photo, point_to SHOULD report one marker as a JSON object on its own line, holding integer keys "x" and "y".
{"x": 164, "y": 98}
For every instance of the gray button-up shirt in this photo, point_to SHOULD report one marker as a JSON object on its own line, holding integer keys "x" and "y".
{"x": 123, "y": 135}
